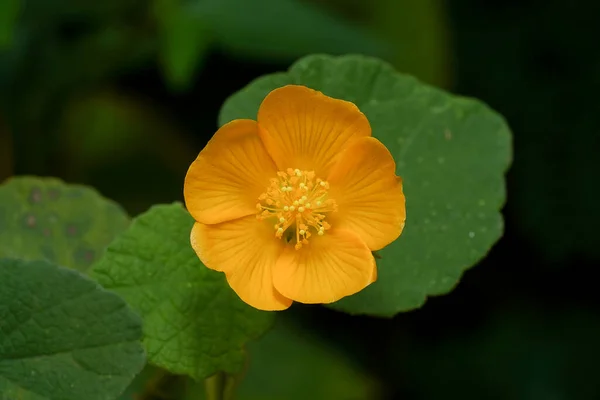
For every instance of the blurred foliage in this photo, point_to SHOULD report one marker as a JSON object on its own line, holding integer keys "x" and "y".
{"x": 416, "y": 31}
{"x": 107, "y": 133}
{"x": 273, "y": 29}
{"x": 307, "y": 367}
{"x": 113, "y": 95}
{"x": 420, "y": 35}
{"x": 6, "y": 162}
{"x": 183, "y": 40}
{"x": 9, "y": 10}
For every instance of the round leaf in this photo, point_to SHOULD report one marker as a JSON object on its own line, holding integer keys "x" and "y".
{"x": 194, "y": 324}
{"x": 62, "y": 337}
{"x": 451, "y": 152}
{"x": 44, "y": 218}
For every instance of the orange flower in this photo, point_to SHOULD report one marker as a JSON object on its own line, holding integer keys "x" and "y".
{"x": 291, "y": 206}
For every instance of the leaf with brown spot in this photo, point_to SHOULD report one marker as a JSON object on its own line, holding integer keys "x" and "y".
{"x": 47, "y": 219}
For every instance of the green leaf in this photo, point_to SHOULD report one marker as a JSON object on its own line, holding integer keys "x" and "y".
{"x": 282, "y": 29}
{"x": 62, "y": 337}
{"x": 9, "y": 11}
{"x": 44, "y": 218}
{"x": 452, "y": 154}
{"x": 194, "y": 324}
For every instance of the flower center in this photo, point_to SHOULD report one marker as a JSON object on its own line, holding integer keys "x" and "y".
{"x": 297, "y": 202}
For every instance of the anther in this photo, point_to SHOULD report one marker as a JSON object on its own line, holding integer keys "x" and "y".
{"x": 289, "y": 201}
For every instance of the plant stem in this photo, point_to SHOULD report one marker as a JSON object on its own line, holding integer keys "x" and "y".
{"x": 219, "y": 386}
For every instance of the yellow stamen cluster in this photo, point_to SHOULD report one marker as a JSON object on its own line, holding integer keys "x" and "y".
{"x": 295, "y": 199}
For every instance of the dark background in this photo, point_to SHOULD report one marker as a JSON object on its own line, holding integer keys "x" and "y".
{"x": 123, "y": 94}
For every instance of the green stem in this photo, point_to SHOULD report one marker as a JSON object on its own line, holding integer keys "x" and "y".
{"x": 219, "y": 386}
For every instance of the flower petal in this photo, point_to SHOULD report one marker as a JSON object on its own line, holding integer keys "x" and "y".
{"x": 246, "y": 250}
{"x": 368, "y": 193}
{"x": 234, "y": 168}
{"x": 328, "y": 268}
{"x": 302, "y": 128}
